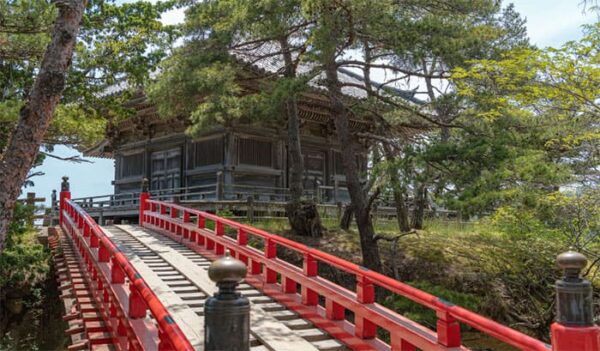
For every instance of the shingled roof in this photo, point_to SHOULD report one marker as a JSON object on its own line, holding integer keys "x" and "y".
{"x": 265, "y": 58}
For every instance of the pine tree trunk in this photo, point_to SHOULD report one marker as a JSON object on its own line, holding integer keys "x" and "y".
{"x": 35, "y": 116}
{"x": 347, "y": 216}
{"x": 303, "y": 215}
{"x": 401, "y": 210}
{"x": 360, "y": 202}
{"x": 420, "y": 203}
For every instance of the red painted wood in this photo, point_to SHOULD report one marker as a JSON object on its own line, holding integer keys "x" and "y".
{"x": 107, "y": 268}
{"x": 368, "y": 315}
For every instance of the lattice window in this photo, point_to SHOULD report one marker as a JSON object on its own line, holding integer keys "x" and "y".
{"x": 255, "y": 152}
{"x": 132, "y": 165}
{"x": 207, "y": 152}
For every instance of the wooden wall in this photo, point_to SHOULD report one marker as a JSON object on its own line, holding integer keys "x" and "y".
{"x": 247, "y": 155}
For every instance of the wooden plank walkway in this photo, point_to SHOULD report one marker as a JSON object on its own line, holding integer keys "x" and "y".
{"x": 179, "y": 277}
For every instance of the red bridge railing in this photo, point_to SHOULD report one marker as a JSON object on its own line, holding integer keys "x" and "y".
{"x": 269, "y": 270}
{"x": 123, "y": 296}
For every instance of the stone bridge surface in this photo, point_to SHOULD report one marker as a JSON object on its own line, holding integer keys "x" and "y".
{"x": 179, "y": 277}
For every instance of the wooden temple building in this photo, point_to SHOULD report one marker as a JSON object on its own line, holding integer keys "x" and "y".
{"x": 246, "y": 155}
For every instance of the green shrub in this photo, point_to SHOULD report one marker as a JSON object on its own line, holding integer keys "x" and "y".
{"x": 424, "y": 315}
{"x": 24, "y": 262}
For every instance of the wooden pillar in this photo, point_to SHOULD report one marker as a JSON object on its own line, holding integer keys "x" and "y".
{"x": 250, "y": 209}
{"x": 220, "y": 192}
{"x": 229, "y": 159}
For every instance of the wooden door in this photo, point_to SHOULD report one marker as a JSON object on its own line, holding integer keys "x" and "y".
{"x": 166, "y": 169}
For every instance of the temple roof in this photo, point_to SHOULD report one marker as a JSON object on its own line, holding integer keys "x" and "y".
{"x": 265, "y": 59}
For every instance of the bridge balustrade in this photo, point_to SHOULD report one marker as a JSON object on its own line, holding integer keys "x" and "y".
{"x": 267, "y": 269}
{"x": 123, "y": 296}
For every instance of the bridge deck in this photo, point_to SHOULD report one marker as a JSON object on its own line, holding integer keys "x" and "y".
{"x": 179, "y": 277}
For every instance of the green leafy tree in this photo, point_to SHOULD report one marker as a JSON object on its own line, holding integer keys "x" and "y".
{"x": 535, "y": 119}
{"x": 65, "y": 82}
{"x": 221, "y": 34}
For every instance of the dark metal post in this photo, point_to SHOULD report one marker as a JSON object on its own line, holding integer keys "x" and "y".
{"x": 227, "y": 313}
{"x": 574, "y": 328}
{"x": 573, "y": 294}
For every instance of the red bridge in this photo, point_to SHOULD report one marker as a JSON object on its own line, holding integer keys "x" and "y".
{"x": 143, "y": 287}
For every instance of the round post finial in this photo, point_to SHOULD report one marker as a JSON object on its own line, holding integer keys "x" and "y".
{"x": 64, "y": 186}
{"x": 227, "y": 270}
{"x": 572, "y": 263}
{"x": 145, "y": 185}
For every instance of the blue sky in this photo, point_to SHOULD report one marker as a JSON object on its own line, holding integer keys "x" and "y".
{"x": 549, "y": 23}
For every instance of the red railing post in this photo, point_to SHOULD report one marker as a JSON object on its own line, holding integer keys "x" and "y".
{"x": 335, "y": 311}
{"x": 117, "y": 275}
{"x": 242, "y": 240}
{"x": 574, "y": 328}
{"x": 65, "y": 194}
{"x": 144, "y": 196}
{"x": 309, "y": 267}
{"x": 365, "y": 293}
{"x": 103, "y": 254}
{"x": 188, "y": 234}
{"x": 448, "y": 330}
{"x": 219, "y": 231}
{"x": 137, "y": 305}
{"x": 94, "y": 239}
{"x": 200, "y": 222}
{"x": 269, "y": 275}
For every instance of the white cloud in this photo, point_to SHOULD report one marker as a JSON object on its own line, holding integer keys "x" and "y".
{"x": 553, "y": 22}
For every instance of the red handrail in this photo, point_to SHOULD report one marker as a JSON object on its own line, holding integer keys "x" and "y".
{"x": 141, "y": 295}
{"x": 154, "y": 214}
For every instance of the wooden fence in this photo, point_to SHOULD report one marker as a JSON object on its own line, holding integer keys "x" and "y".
{"x": 39, "y": 211}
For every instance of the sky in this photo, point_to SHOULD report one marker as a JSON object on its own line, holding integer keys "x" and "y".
{"x": 549, "y": 23}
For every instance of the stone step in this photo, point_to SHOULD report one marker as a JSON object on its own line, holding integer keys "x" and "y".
{"x": 329, "y": 345}
{"x": 296, "y": 324}
{"x": 312, "y": 334}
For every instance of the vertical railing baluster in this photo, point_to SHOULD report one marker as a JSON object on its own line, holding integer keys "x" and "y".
{"x": 242, "y": 240}
{"x": 117, "y": 275}
{"x": 310, "y": 269}
{"x": 269, "y": 275}
{"x": 448, "y": 330}
{"x": 219, "y": 231}
{"x": 365, "y": 294}
{"x": 201, "y": 223}
{"x": 137, "y": 305}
